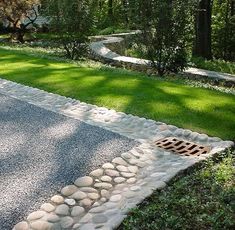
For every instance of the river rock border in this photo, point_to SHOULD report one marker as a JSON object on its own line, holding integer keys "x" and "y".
{"x": 109, "y": 49}
{"x": 102, "y": 199}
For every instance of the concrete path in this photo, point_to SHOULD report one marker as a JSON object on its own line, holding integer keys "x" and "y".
{"x": 42, "y": 151}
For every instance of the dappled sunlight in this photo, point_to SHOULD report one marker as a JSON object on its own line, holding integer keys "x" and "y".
{"x": 170, "y": 102}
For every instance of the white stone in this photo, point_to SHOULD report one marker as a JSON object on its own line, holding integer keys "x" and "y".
{"x": 62, "y": 209}
{"x": 115, "y": 198}
{"x": 41, "y": 225}
{"x": 120, "y": 161}
{"x": 108, "y": 166}
{"x": 106, "y": 178}
{"x": 122, "y": 168}
{"x": 127, "y": 155}
{"x": 57, "y": 199}
{"x": 97, "y": 173}
{"x": 35, "y": 215}
{"x": 135, "y": 188}
{"x": 51, "y": 217}
{"x": 66, "y": 222}
{"x": 88, "y": 189}
{"x": 133, "y": 169}
{"x": 103, "y": 185}
{"x": 85, "y": 181}
{"x": 112, "y": 173}
{"x": 127, "y": 175}
{"x": 69, "y": 190}
{"x": 21, "y": 226}
{"x": 104, "y": 193}
{"x": 77, "y": 211}
{"x": 119, "y": 180}
{"x": 97, "y": 209}
{"x": 48, "y": 207}
{"x": 79, "y": 195}
{"x": 131, "y": 180}
{"x": 70, "y": 201}
{"x": 93, "y": 196}
{"x": 85, "y": 202}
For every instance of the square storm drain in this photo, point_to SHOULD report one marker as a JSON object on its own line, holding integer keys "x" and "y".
{"x": 182, "y": 147}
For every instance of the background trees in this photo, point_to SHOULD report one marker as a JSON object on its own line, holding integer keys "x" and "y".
{"x": 73, "y": 22}
{"x": 15, "y": 12}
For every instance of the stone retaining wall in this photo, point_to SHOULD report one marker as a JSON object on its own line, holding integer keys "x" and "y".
{"x": 109, "y": 50}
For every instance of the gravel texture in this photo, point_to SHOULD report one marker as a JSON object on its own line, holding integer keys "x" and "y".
{"x": 42, "y": 151}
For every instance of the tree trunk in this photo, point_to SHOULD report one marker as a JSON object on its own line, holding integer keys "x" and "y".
{"x": 110, "y": 8}
{"x": 202, "y": 44}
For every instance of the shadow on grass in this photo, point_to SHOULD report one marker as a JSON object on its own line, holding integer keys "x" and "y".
{"x": 201, "y": 110}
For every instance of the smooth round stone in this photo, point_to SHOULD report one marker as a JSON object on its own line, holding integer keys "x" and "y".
{"x": 21, "y": 226}
{"x": 41, "y": 225}
{"x": 70, "y": 201}
{"x": 85, "y": 181}
{"x": 79, "y": 195}
{"x": 131, "y": 180}
{"x": 127, "y": 175}
{"x": 106, "y": 178}
{"x": 130, "y": 194}
{"x": 35, "y": 215}
{"x": 69, "y": 190}
{"x": 88, "y": 189}
{"x": 163, "y": 127}
{"x": 122, "y": 168}
{"x": 108, "y": 166}
{"x": 115, "y": 198}
{"x": 86, "y": 227}
{"x": 112, "y": 173}
{"x": 66, "y": 222}
{"x": 119, "y": 161}
{"x": 99, "y": 219}
{"x": 127, "y": 155}
{"x": 48, "y": 207}
{"x": 103, "y": 185}
{"x": 97, "y": 173}
{"x": 86, "y": 218}
{"x": 104, "y": 193}
{"x": 133, "y": 169}
{"x": 119, "y": 180}
{"x": 103, "y": 199}
{"x": 57, "y": 199}
{"x": 135, "y": 188}
{"x": 62, "y": 209}
{"x": 85, "y": 202}
{"x": 97, "y": 209}
{"x": 51, "y": 217}
{"x": 77, "y": 211}
{"x": 93, "y": 196}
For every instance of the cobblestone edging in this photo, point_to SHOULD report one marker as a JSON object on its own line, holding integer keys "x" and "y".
{"x": 102, "y": 199}
{"x": 102, "y": 50}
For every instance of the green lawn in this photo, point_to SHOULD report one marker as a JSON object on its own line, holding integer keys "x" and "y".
{"x": 198, "y": 109}
{"x": 204, "y": 199}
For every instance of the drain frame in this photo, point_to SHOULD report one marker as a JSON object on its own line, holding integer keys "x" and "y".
{"x": 182, "y": 147}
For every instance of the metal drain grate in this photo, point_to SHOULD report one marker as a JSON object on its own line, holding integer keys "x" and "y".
{"x": 182, "y": 147}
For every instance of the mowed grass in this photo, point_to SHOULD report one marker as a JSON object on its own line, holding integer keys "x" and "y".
{"x": 198, "y": 109}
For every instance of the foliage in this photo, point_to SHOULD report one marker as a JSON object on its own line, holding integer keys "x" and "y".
{"x": 214, "y": 65}
{"x": 15, "y": 11}
{"x": 204, "y": 199}
{"x": 164, "y": 33}
{"x": 223, "y": 29}
{"x": 73, "y": 22}
{"x": 174, "y": 102}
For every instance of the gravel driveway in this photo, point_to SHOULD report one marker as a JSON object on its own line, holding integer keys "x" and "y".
{"x": 41, "y": 151}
